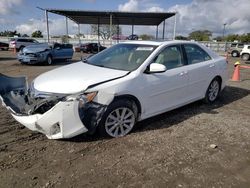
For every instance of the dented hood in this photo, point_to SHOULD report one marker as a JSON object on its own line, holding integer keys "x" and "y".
{"x": 34, "y": 48}
{"x": 74, "y": 78}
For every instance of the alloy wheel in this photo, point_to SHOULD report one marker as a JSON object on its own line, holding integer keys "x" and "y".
{"x": 120, "y": 122}
{"x": 213, "y": 90}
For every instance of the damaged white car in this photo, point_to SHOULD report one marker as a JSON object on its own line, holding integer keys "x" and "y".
{"x": 114, "y": 89}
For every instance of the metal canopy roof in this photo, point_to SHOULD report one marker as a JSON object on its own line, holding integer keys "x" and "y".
{"x": 118, "y": 18}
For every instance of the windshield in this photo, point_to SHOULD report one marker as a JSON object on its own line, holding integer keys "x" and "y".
{"x": 126, "y": 57}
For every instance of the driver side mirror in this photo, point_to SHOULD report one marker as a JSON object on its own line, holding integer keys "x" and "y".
{"x": 156, "y": 68}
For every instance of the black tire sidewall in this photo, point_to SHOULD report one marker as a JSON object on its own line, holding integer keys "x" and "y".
{"x": 114, "y": 105}
{"x": 247, "y": 57}
{"x": 47, "y": 60}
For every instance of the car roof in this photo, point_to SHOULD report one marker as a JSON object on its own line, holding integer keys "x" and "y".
{"x": 159, "y": 43}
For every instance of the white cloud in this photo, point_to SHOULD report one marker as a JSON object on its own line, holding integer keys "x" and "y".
{"x": 9, "y": 6}
{"x": 141, "y": 6}
{"x": 130, "y": 6}
{"x": 199, "y": 15}
{"x": 56, "y": 26}
{"x": 211, "y": 15}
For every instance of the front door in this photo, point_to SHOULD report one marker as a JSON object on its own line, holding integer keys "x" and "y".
{"x": 167, "y": 90}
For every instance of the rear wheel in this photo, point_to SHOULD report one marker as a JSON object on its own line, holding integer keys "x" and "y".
{"x": 213, "y": 91}
{"x": 245, "y": 57}
{"x": 119, "y": 119}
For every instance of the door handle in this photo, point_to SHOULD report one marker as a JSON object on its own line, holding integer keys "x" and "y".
{"x": 183, "y": 73}
{"x": 212, "y": 65}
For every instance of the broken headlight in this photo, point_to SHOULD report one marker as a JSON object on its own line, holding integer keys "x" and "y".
{"x": 85, "y": 98}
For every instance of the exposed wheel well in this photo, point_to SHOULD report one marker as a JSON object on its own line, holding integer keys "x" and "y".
{"x": 131, "y": 98}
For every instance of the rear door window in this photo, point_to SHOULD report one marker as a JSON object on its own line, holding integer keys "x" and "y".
{"x": 195, "y": 54}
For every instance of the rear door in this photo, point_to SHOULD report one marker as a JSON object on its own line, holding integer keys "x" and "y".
{"x": 200, "y": 68}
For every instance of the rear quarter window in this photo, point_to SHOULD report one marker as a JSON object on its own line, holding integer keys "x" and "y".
{"x": 195, "y": 54}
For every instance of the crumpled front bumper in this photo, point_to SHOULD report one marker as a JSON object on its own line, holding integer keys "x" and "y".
{"x": 30, "y": 59}
{"x": 60, "y": 121}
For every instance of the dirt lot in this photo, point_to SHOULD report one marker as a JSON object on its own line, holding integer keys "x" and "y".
{"x": 170, "y": 150}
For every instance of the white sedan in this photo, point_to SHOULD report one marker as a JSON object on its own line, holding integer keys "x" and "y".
{"x": 112, "y": 90}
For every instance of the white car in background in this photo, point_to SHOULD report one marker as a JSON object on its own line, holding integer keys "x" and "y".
{"x": 116, "y": 88}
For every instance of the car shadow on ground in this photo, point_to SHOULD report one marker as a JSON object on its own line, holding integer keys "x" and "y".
{"x": 7, "y": 58}
{"x": 168, "y": 119}
{"x": 55, "y": 63}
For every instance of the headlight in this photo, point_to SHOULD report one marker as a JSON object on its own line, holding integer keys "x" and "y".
{"x": 87, "y": 97}
{"x": 41, "y": 54}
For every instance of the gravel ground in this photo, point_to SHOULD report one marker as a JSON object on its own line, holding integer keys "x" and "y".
{"x": 169, "y": 150}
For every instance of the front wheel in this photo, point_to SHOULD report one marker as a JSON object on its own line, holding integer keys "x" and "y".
{"x": 213, "y": 91}
{"x": 119, "y": 119}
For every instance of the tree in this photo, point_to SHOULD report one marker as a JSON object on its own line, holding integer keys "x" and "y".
{"x": 37, "y": 34}
{"x": 245, "y": 38}
{"x": 104, "y": 31}
{"x": 180, "y": 37}
{"x": 8, "y": 33}
{"x": 232, "y": 38}
{"x": 24, "y": 35}
{"x": 200, "y": 35}
{"x": 65, "y": 38}
{"x": 147, "y": 37}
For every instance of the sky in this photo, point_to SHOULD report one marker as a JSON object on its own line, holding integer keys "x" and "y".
{"x": 192, "y": 15}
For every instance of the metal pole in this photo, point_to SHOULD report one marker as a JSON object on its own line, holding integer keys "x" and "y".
{"x": 98, "y": 31}
{"x": 163, "y": 32}
{"x": 174, "y": 35}
{"x": 47, "y": 24}
{"x": 132, "y": 29}
{"x": 224, "y": 27}
{"x": 117, "y": 38}
{"x": 157, "y": 32}
{"x": 79, "y": 37}
{"x": 67, "y": 29}
{"x": 110, "y": 29}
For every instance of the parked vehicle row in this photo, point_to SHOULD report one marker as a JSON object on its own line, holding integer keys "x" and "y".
{"x": 235, "y": 49}
{"x": 44, "y": 52}
{"x": 4, "y": 46}
{"x": 19, "y": 43}
{"x": 91, "y": 47}
{"x": 112, "y": 90}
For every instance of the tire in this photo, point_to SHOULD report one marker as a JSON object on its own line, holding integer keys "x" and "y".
{"x": 245, "y": 57}
{"x": 49, "y": 60}
{"x": 235, "y": 54}
{"x": 213, "y": 91}
{"x": 119, "y": 119}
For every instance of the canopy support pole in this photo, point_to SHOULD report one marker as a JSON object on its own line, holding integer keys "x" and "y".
{"x": 163, "y": 30}
{"x": 98, "y": 31}
{"x": 47, "y": 24}
{"x": 174, "y": 35}
{"x": 156, "y": 35}
{"x": 110, "y": 29}
{"x": 67, "y": 28}
{"x": 79, "y": 37}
